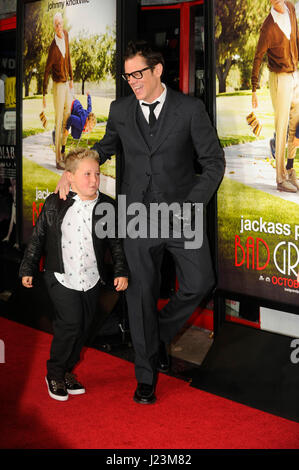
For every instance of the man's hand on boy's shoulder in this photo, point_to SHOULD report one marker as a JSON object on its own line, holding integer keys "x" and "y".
{"x": 120, "y": 283}
{"x": 63, "y": 186}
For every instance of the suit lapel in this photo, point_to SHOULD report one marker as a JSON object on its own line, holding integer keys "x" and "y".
{"x": 132, "y": 124}
{"x": 169, "y": 116}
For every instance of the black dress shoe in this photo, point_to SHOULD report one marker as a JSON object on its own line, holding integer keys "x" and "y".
{"x": 163, "y": 358}
{"x": 145, "y": 394}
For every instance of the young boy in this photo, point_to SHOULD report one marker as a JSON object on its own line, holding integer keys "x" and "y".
{"x": 74, "y": 261}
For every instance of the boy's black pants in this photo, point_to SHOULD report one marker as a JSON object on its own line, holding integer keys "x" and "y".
{"x": 74, "y": 313}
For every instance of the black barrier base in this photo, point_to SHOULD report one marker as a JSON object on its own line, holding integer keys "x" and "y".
{"x": 252, "y": 367}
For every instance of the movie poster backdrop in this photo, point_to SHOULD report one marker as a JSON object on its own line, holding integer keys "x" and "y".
{"x": 258, "y": 226}
{"x": 7, "y": 138}
{"x": 91, "y": 30}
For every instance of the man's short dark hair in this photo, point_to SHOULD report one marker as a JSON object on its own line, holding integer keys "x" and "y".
{"x": 152, "y": 56}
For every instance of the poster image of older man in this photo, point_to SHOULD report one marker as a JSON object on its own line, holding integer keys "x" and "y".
{"x": 279, "y": 39}
{"x": 59, "y": 66}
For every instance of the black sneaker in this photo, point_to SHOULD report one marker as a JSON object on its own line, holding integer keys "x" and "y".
{"x": 72, "y": 385}
{"x": 57, "y": 389}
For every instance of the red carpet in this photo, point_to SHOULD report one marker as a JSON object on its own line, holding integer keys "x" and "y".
{"x": 106, "y": 417}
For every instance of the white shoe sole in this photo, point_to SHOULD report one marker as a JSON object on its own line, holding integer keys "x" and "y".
{"x": 55, "y": 397}
{"x": 76, "y": 392}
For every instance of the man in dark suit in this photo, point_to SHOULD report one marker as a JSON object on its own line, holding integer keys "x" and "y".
{"x": 158, "y": 150}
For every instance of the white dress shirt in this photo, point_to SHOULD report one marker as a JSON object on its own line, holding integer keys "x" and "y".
{"x": 283, "y": 21}
{"x": 158, "y": 108}
{"x": 80, "y": 265}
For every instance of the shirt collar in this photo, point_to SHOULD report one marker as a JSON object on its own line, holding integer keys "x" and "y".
{"x": 278, "y": 16}
{"x": 161, "y": 98}
{"x": 88, "y": 201}
{"x": 58, "y": 39}
{"x": 283, "y": 21}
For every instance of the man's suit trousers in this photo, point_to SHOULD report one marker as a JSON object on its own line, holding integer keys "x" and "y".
{"x": 195, "y": 278}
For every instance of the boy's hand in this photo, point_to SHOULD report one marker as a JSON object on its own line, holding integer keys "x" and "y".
{"x": 27, "y": 281}
{"x": 63, "y": 186}
{"x": 121, "y": 283}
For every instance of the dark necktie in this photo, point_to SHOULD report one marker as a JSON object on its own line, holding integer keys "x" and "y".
{"x": 152, "y": 117}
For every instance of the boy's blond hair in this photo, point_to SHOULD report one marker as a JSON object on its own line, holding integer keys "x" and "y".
{"x": 77, "y": 155}
{"x": 92, "y": 119}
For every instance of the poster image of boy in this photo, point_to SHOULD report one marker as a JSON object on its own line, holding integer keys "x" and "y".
{"x": 80, "y": 119}
{"x": 59, "y": 66}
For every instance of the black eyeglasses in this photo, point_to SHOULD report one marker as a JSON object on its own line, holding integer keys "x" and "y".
{"x": 137, "y": 74}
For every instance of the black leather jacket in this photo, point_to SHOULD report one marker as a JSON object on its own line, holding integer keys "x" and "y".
{"x": 46, "y": 240}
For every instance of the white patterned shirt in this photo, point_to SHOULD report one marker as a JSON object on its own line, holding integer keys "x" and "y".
{"x": 80, "y": 264}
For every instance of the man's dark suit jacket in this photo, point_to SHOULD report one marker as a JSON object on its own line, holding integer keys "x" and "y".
{"x": 185, "y": 134}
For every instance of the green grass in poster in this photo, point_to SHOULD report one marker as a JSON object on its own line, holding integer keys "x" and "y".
{"x": 232, "y": 109}
{"x": 235, "y": 200}
{"x": 232, "y": 127}
{"x": 34, "y": 176}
